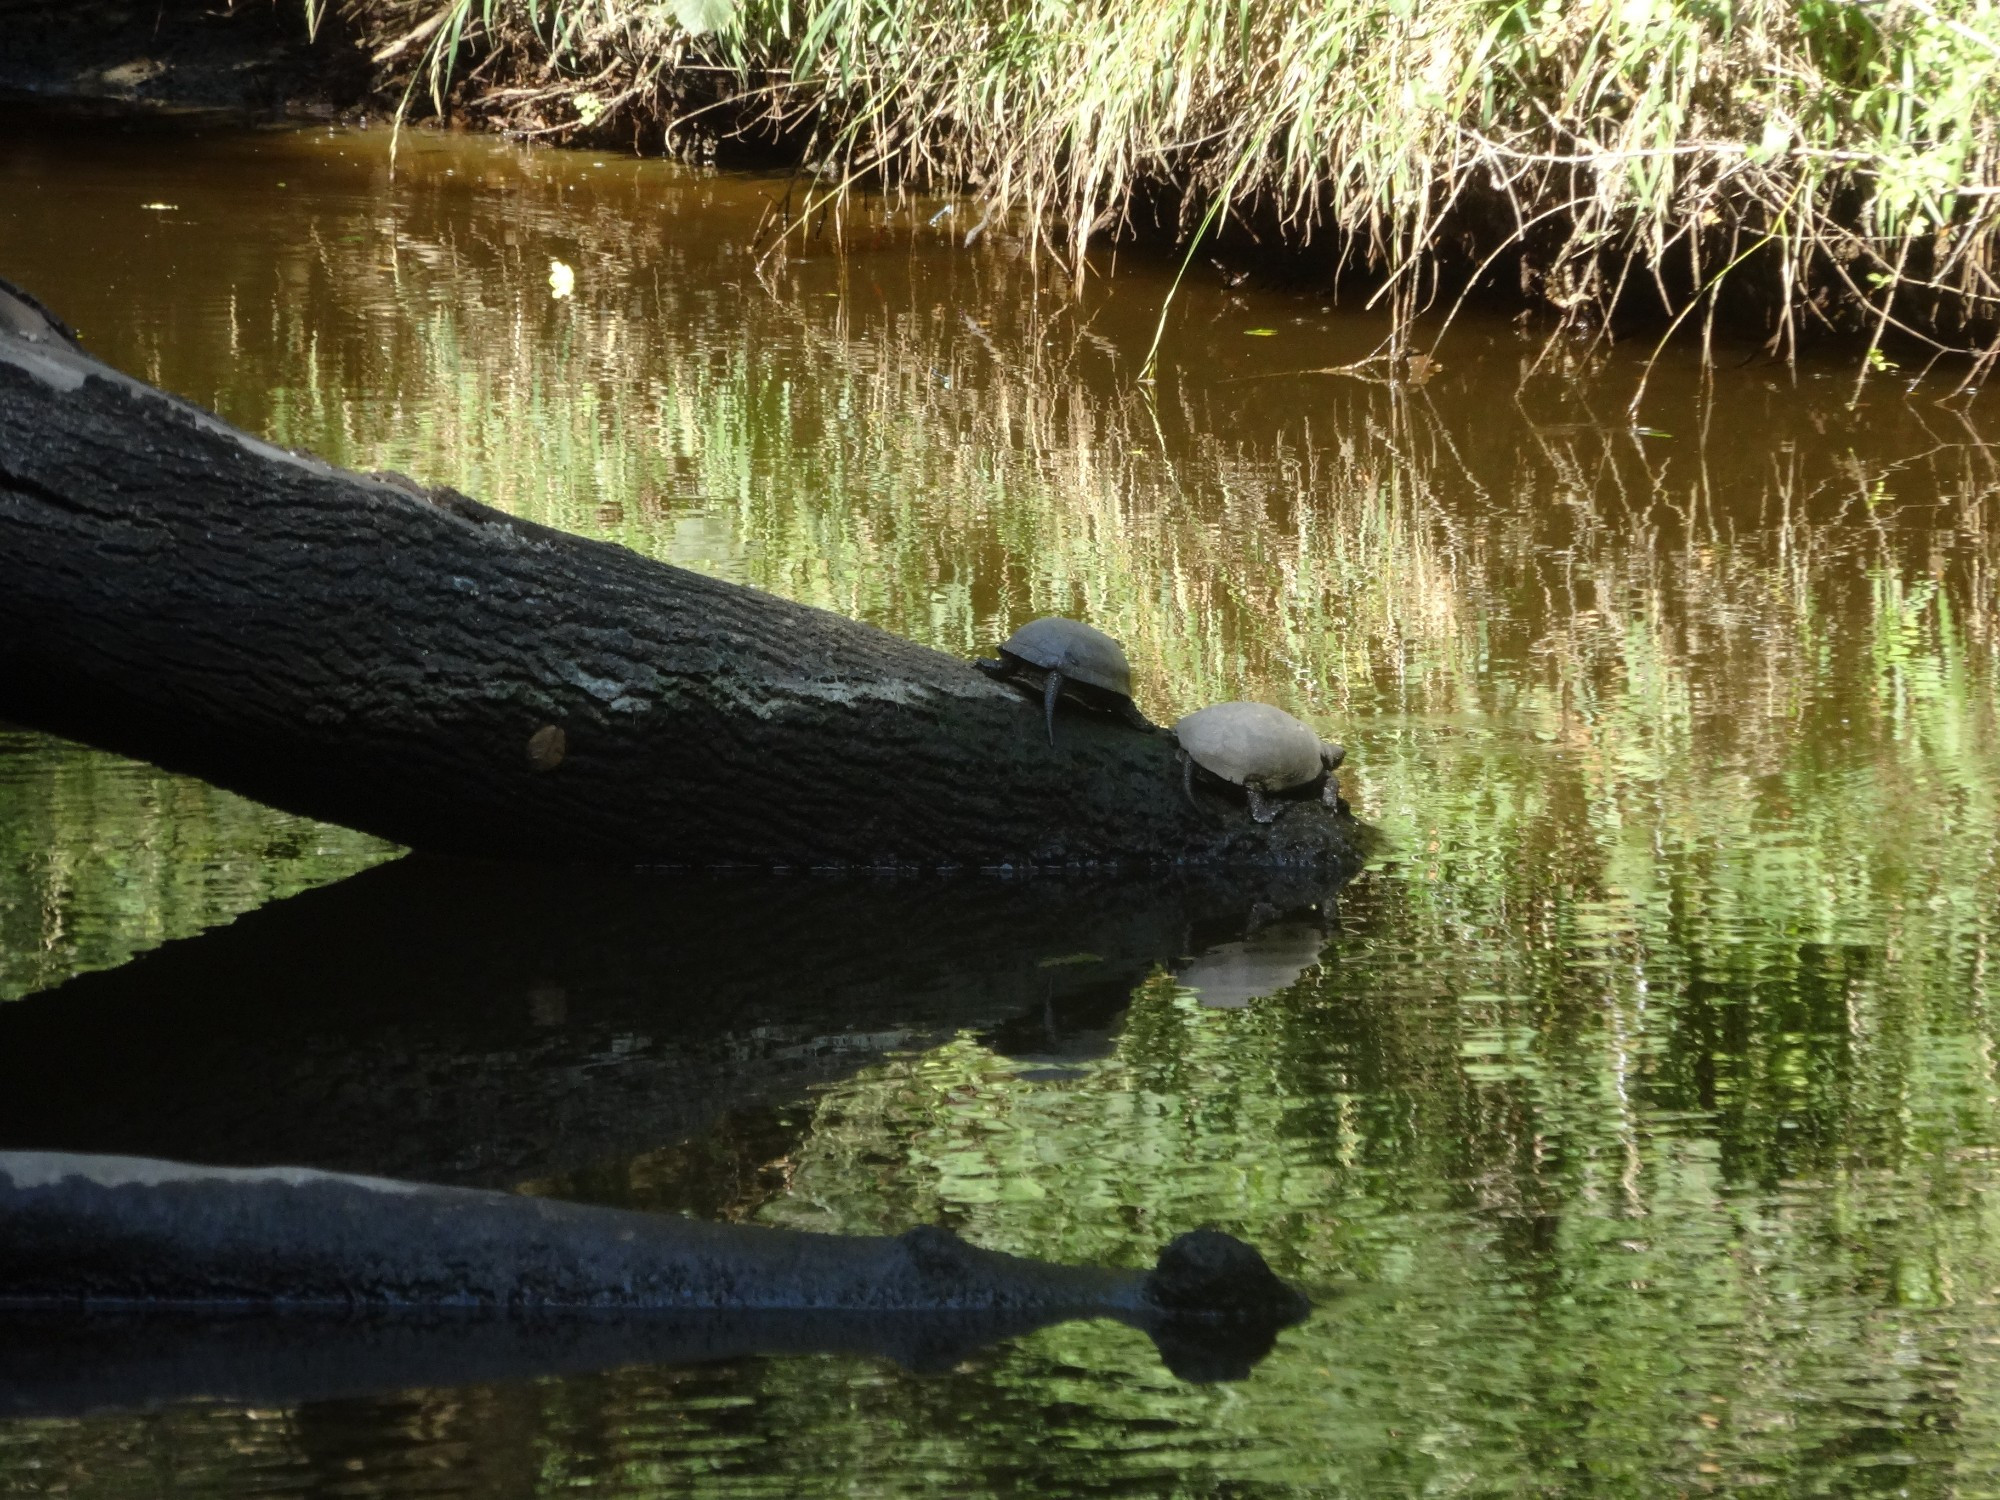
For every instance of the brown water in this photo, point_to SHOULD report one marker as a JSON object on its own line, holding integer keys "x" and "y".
{"x": 1637, "y": 1123}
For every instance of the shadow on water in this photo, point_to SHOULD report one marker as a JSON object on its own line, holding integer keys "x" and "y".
{"x": 477, "y": 1024}
{"x": 469, "y": 1023}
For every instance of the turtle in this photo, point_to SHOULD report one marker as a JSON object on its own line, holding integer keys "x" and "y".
{"x": 1260, "y": 748}
{"x": 1059, "y": 655}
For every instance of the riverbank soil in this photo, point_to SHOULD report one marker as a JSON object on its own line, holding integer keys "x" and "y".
{"x": 251, "y": 55}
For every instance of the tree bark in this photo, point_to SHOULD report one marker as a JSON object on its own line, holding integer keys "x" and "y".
{"x": 429, "y": 669}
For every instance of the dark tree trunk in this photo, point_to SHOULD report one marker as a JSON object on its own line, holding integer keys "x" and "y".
{"x": 437, "y": 672}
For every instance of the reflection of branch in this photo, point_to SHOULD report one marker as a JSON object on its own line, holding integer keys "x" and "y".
{"x": 1421, "y": 366}
{"x": 983, "y": 337}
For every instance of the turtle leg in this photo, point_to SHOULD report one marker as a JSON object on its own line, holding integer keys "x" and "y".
{"x": 1330, "y": 793}
{"x": 1187, "y": 778}
{"x": 992, "y": 668}
{"x": 1131, "y": 714}
{"x": 1051, "y": 690}
{"x": 1260, "y": 809}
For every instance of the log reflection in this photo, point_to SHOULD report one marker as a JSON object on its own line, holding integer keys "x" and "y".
{"x": 482, "y": 1024}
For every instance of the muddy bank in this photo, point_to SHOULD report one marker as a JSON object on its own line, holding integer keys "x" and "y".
{"x": 250, "y": 56}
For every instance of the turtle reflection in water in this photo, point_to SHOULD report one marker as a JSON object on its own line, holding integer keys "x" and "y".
{"x": 1262, "y": 749}
{"x": 1055, "y": 656}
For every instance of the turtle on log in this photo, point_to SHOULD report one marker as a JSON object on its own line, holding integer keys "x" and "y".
{"x": 1260, "y": 748}
{"x": 1053, "y": 656}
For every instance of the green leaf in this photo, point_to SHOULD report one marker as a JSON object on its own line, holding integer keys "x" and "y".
{"x": 700, "y": 17}
{"x": 1259, "y": 333}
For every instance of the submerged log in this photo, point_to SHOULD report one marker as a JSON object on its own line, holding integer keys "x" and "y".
{"x": 106, "y": 1232}
{"x": 421, "y": 666}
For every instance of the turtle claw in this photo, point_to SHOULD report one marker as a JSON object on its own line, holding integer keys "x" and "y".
{"x": 1260, "y": 809}
{"x": 1051, "y": 690}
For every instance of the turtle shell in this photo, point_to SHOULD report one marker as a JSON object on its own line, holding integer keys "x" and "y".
{"x": 1077, "y": 650}
{"x": 1252, "y": 744}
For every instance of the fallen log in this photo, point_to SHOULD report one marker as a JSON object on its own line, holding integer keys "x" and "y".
{"x": 112, "y": 1233}
{"x": 421, "y": 666}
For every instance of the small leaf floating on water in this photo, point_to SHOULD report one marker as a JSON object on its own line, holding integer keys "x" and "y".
{"x": 1259, "y": 333}
{"x": 546, "y": 747}
{"x": 160, "y": 208}
{"x": 562, "y": 279}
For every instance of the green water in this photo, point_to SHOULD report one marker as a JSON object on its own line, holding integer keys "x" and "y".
{"x": 1637, "y": 1129}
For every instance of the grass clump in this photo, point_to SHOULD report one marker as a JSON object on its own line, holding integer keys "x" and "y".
{"x": 1789, "y": 167}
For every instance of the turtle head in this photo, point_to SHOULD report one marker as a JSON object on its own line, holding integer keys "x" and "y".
{"x": 1330, "y": 755}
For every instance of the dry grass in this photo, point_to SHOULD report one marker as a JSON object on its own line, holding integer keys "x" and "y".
{"x": 1790, "y": 167}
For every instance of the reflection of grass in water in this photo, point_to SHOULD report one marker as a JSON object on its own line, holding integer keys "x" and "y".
{"x": 1667, "y": 1008}
{"x": 1567, "y": 662}
{"x": 887, "y": 473}
{"x": 1713, "y": 871}
{"x": 104, "y": 856}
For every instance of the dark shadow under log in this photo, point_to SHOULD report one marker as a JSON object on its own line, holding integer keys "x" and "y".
{"x": 486, "y": 1023}
{"x": 429, "y": 669}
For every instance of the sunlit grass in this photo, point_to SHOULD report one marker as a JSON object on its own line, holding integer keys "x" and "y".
{"x": 1795, "y": 163}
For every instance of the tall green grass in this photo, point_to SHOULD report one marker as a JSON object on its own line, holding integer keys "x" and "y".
{"x": 1796, "y": 165}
